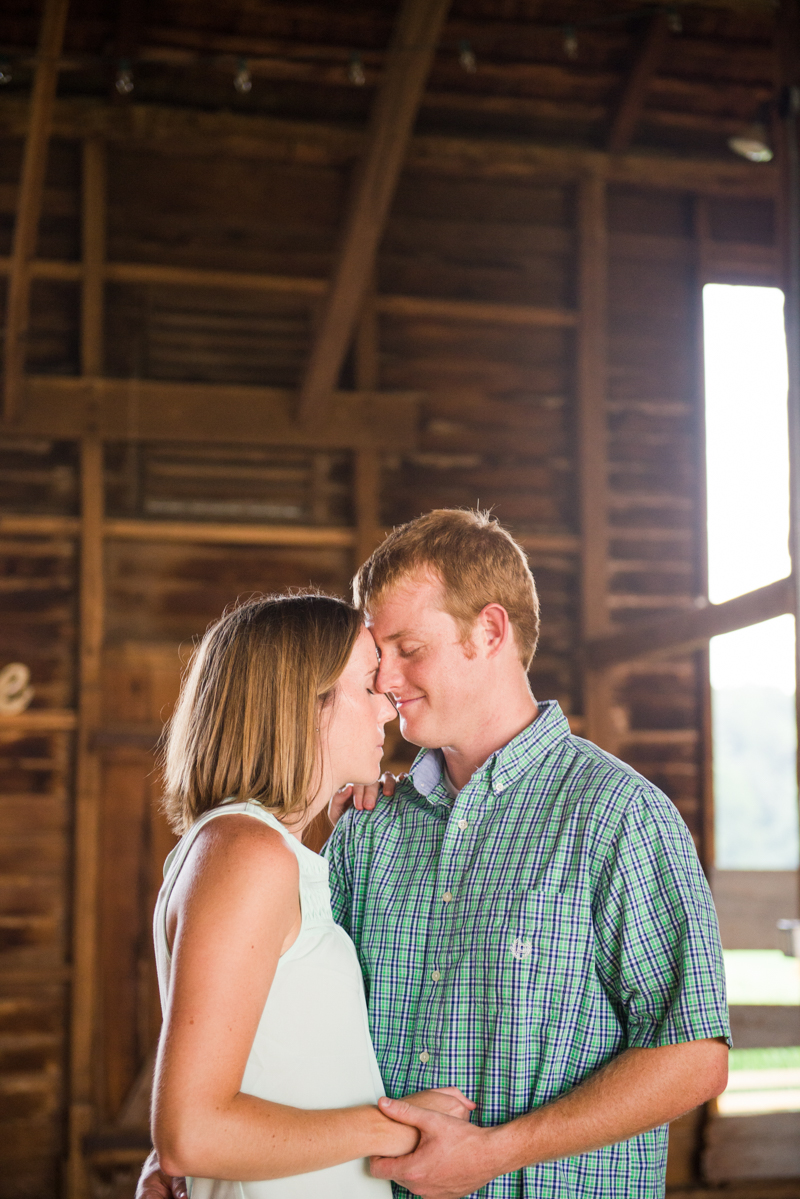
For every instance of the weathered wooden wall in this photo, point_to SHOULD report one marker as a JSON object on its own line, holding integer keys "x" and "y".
{"x": 540, "y": 299}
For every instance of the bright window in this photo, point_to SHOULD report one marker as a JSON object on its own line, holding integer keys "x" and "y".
{"x": 752, "y": 670}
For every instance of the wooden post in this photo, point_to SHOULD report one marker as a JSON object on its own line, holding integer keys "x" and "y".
{"x": 87, "y": 790}
{"x": 29, "y": 201}
{"x": 92, "y": 619}
{"x": 366, "y": 482}
{"x": 592, "y": 445}
{"x": 94, "y": 256}
{"x": 705, "y": 745}
{"x": 788, "y": 38}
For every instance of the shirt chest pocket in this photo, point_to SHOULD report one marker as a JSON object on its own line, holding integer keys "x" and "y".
{"x": 526, "y": 949}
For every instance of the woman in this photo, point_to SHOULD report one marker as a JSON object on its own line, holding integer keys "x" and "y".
{"x": 266, "y": 1073}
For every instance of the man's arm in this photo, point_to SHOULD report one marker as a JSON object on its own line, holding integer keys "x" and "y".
{"x": 639, "y": 1090}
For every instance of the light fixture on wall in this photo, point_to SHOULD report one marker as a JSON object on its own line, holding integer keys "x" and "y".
{"x": 570, "y": 42}
{"x": 124, "y": 80}
{"x": 752, "y": 141}
{"x": 355, "y": 71}
{"x": 467, "y": 59}
{"x": 242, "y": 80}
{"x": 5, "y": 71}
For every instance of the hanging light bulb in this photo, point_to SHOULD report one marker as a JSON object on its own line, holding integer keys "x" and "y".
{"x": 124, "y": 81}
{"x": 674, "y": 21}
{"x": 466, "y": 57}
{"x": 5, "y": 72}
{"x": 570, "y": 42}
{"x": 752, "y": 143}
{"x": 355, "y": 71}
{"x": 242, "y": 80}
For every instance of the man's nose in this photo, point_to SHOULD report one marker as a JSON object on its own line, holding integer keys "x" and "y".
{"x": 388, "y": 677}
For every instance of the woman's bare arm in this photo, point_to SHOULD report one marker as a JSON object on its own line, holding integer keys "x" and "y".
{"x": 234, "y": 908}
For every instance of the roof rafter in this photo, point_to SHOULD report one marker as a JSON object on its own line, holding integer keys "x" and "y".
{"x": 414, "y": 40}
{"x": 29, "y": 200}
{"x": 631, "y": 102}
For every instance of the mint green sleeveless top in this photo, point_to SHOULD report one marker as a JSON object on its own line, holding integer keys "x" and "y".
{"x": 312, "y": 1048}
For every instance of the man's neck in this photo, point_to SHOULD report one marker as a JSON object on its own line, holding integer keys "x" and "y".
{"x": 463, "y": 760}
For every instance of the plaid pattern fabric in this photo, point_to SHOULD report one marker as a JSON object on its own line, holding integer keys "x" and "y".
{"x": 515, "y": 939}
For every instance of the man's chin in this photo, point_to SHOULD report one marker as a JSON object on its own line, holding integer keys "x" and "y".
{"x": 415, "y": 734}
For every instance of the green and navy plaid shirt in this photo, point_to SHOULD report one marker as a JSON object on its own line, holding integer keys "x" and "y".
{"x": 517, "y": 938}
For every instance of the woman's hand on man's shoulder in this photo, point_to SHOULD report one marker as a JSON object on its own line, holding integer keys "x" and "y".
{"x": 362, "y": 796}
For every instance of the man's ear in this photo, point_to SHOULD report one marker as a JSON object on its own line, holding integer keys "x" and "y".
{"x": 495, "y": 628}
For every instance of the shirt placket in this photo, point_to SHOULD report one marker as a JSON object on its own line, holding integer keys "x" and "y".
{"x": 450, "y": 907}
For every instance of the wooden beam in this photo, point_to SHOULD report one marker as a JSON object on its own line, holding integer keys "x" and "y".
{"x": 148, "y": 410}
{"x": 40, "y": 720}
{"x": 408, "y": 63}
{"x": 39, "y": 526}
{"x": 366, "y": 465}
{"x": 690, "y": 629}
{"x": 94, "y": 255}
{"x": 473, "y": 310}
{"x": 87, "y": 797}
{"x": 788, "y": 56}
{"x": 194, "y": 133}
{"x": 29, "y": 202}
{"x": 304, "y": 287}
{"x": 592, "y": 443}
{"x": 305, "y": 536}
{"x": 632, "y": 100}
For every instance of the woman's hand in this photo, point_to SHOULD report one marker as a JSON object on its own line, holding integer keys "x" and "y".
{"x": 363, "y": 797}
{"x": 448, "y": 1101}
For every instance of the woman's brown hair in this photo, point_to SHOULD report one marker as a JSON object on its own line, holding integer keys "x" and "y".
{"x": 246, "y": 723}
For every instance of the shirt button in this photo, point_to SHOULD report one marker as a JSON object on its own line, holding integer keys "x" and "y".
{"x": 424, "y": 1056}
{"x": 462, "y": 824}
{"x": 436, "y": 976}
{"x": 447, "y": 897}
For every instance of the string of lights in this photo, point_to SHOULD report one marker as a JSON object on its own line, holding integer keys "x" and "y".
{"x": 124, "y": 80}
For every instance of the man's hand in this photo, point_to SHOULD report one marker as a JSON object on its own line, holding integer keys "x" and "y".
{"x": 362, "y": 797}
{"x": 448, "y": 1101}
{"x": 155, "y": 1184}
{"x": 452, "y": 1158}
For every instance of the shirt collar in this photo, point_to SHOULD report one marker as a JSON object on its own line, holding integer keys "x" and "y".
{"x": 505, "y": 765}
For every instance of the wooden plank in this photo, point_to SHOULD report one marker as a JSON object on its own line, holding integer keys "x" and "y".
{"x": 48, "y": 268}
{"x": 634, "y": 94}
{"x": 149, "y": 410}
{"x": 180, "y": 276}
{"x": 193, "y": 132}
{"x": 87, "y": 795}
{"x": 39, "y": 526}
{"x": 691, "y": 628}
{"x": 189, "y": 532}
{"x": 592, "y": 443}
{"x": 40, "y": 720}
{"x": 29, "y": 201}
{"x": 765, "y": 1027}
{"x": 473, "y": 310}
{"x": 93, "y": 225}
{"x": 408, "y": 63}
{"x": 757, "y": 1147}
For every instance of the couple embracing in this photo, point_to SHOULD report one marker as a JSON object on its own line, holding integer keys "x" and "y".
{"x": 503, "y": 979}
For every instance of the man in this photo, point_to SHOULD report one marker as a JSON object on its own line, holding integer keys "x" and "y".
{"x": 531, "y": 918}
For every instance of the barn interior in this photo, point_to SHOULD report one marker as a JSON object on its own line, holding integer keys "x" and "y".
{"x": 281, "y": 275}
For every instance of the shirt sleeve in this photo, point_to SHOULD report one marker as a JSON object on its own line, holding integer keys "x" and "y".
{"x": 659, "y": 956}
{"x": 337, "y": 851}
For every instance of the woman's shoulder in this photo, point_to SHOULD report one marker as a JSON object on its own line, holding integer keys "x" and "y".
{"x": 241, "y": 845}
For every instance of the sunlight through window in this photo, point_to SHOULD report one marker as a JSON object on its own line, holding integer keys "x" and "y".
{"x": 752, "y": 670}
